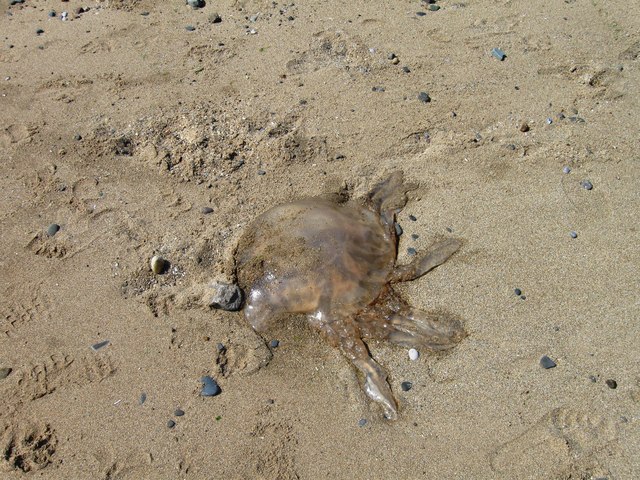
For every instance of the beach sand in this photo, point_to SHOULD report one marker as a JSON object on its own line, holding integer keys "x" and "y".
{"x": 119, "y": 124}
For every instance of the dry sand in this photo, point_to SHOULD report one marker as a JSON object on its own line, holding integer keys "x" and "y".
{"x": 173, "y": 120}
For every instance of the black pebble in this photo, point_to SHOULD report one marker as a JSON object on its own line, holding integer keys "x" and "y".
{"x": 52, "y": 13}
{"x": 171, "y": 424}
{"x": 612, "y": 384}
{"x": 179, "y": 412}
{"x": 274, "y": 343}
{"x": 517, "y": 291}
{"x": 522, "y": 297}
{"x": 411, "y": 251}
{"x": 420, "y": 14}
{"x": 412, "y": 218}
{"x": 406, "y": 386}
{"x": 546, "y": 362}
{"x": 415, "y": 236}
{"x": 586, "y": 184}
{"x": 424, "y": 97}
{"x": 39, "y": 31}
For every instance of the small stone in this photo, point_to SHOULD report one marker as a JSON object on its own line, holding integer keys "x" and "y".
{"x": 406, "y": 386}
{"x": 434, "y": 8}
{"x": 398, "y": 229}
{"x": 171, "y": 424}
{"x": 158, "y": 264}
{"x": 179, "y": 412}
{"x": 413, "y": 354}
{"x": 420, "y": 14}
{"x": 546, "y": 362}
{"x": 612, "y": 384}
{"x": 414, "y": 236}
{"x": 517, "y": 291}
{"x": 189, "y": 28}
{"x": 39, "y": 31}
{"x": 566, "y": 170}
{"x": 522, "y": 297}
{"x": 412, "y": 218}
{"x": 53, "y": 229}
{"x": 586, "y": 184}
{"x": 52, "y": 13}
{"x": 499, "y": 54}
{"x": 220, "y": 347}
{"x": 549, "y": 120}
{"x": 362, "y": 422}
{"x": 395, "y": 61}
{"x": 100, "y": 345}
{"x": 274, "y": 343}
{"x": 391, "y": 56}
{"x": 406, "y": 69}
{"x": 209, "y": 387}
{"x": 524, "y": 127}
{"x": 573, "y": 234}
{"x": 4, "y": 372}
{"x": 206, "y": 210}
{"x": 593, "y": 378}
{"x": 195, "y": 3}
{"x": 424, "y": 97}
{"x": 215, "y": 18}
{"x": 225, "y": 296}
{"x": 261, "y": 172}
{"x": 143, "y": 398}
{"x": 411, "y": 251}
{"x": 77, "y": 137}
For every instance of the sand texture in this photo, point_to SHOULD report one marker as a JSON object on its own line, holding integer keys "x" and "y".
{"x": 120, "y": 124}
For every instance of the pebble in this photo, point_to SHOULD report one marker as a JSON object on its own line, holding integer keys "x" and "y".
{"x": 573, "y": 234}
{"x": 612, "y": 384}
{"x": 517, "y": 291}
{"x": 261, "y": 172}
{"x": 586, "y": 184}
{"x": 206, "y": 210}
{"x": 143, "y": 398}
{"x": 77, "y": 137}
{"x": 52, "y": 13}
{"x": 179, "y": 412}
{"x": 171, "y": 424}
{"x": 415, "y": 236}
{"x": 158, "y": 264}
{"x": 406, "y": 386}
{"x": 362, "y": 422}
{"x": 220, "y": 347}
{"x": 53, "y": 229}
{"x": 420, "y": 14}
{"x": 274, "y": 343}
{"x": 546, "y": 362}
{"x": 411, "y": 251}
{"x": 434, "y": 8}
{"x": 412, "y": 218}
{"x": 391, "y": 56}
{"x": 549, "y": 120}
{"x": 215, "y": 18}
{"x": 4, "y": 372}
{"x": 225, "y": 296}
{"x": 524, "y": 127}
{"x": 195, "y": 3}
{"x": 209, "y": 387}
{"x": 395, "y": 61}
{"x": 424, "y": 97}
{"x": 406, "y": 69}
{"x": 398, "y": 229}
{"x": 413, "y": 354}
{"x": 566, "y": 170}
{"x": 189, "y": 28}
{"x": 499, "y": 54}
{"x": 39, "y": 31}
{"x": 100, "y": 345}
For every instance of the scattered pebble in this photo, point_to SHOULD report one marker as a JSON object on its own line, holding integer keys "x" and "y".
{"x": 53, "y": 229}
{"x": 179, "y": 412}
{"x": 4, "y": 372}
{"x": 522, "y": 297}
{"x": 225, "y": 296}
{"x": 209, "y": 387}
{"x": 499, "y": 54}
{"x": 593, "y": 378}
{"x": 158, "y": 264}
{"x": 52, "y": 13}
{"x": 566, "y": 170}
{"x": 261, "y": 172}
{"x": 406, "y": 69}
{"x": 612, "y": 384}
{"x": 215, "y": 18}
{"x": 424, "y": 97}
{"x": 546, "y": 362}
{"x": 420, "y": 14}
{"x": 414, "y": 236}
{"x": 549, "y": 120}
{"x": 362, "y": 422}
{"x": 434, "y": 8}
{"x": 195, "y": 3}
{"x": 206, "y": 210}
{"x": 189, "y": 28}
{"x": 100, "y": 345}
{"x": 377, "y": 89}
{"x": 398, "y": 229}
{"x": 39, "y": 31}
{"x": 413, "y": 354}
{"x": 524, "y": 127}
{"x": 220, "y": 347}
{"x": 391, "y": 56}
{"x": 143, "y": 398}
{"x": 517, "y": 291}
{"x": 573, "y": 234}
{"x": 412, "y": 218}
{"x": 171, "y": 424}
{"x": 77, "y": 137}
{"x": 586, "y": 184}
{"x": 411, "y": 251}
{"x": 406, "y": 386}
{"x": 274, "y": 343}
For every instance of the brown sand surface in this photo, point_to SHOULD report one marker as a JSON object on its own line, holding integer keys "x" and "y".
{"x": 243, "y": 114}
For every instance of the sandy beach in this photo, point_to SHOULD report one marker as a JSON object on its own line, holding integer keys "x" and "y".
{"x": 136, "y": 128}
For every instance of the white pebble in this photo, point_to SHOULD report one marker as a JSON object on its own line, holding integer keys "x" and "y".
{"x": 157, "y": 264}
{"x": 413, "y": 354}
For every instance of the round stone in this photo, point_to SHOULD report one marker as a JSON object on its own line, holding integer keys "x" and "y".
{"x": 171, "y": 424}
{"x": 53, "y": 229}
{"x": 158, "y": 264}
{"x": 274, "y": 343}
{"x": 179, "y": 412}
{"x": 573, "y": 234}
{"x": 413, "y": 354}
{"x": 517, "y": 291}
{"x": 4, "y": 372}
{"x": 612, "y": 384}
{"x": 406, "y": 386}
{"x": 586, "y": 184}
{"x": 566, "y": 170}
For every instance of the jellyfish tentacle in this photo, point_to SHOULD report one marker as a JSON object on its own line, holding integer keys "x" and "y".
{"x": 417, "y": 328}
{"x": 437, "y": 254}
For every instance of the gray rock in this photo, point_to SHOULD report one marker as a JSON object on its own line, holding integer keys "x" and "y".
{"x": 225, "y": 296}
{"x": 4, "y": 372}
{"x": 586, "y": 184}
{"x": 210, "y": 387}
{"x": 424, "y": 97}
{"x": 195, "y": 3}
{"x": 499, "y": 54}
{"x": 53, "y": 229}
{"x": 546, "y": 362}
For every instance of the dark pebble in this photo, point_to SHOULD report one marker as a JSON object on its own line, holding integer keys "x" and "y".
{"x": 398, "y": 229}
{"x": 593, "y": 378}
{"x": 546, "y": 362}
{"x": 52, "y": 13}
{"x": 206, "y": 210}
{"x": 424, "y": 97}
{"x": 434, "y": 8}
{"x": 77, "y": 137}
{"x": 524, "y": 127}
{"x": 4, "y": 372}
{"x": 517, "y": 291}
{"x": 144, "y": 14}
{"x": 566, "y": 170}
{"x": 39, "y": 31}
{"x": 209, "y": 387}
{"x": 406, "y": 69}
{"x": 220, "y": 347}
{"x": 100, "y": 345}
{"x": 415, "y": 236}
{"x": 612, "y": 384}
{"x": 412, "y": 218}
{"x": 171, "y": 424}
{"x": 215, "y": 18}
{"x": 377, "y": 89}
{"x": 195, "y": 3}
{"x": 573, "y": 234}
{"x": 406, "y": 386}
{"x": 274, "y": 343}
{"x": 143, "y": 398}
{"x": 362, "y": 422}
{"x": 522, "y": 297}
{"x": 420, "y": 14}
{"x": 586, "y": 184}
{"x": 53, "y": 229}
{"x": 391, "y": 56}
{"x": 179, "y": 412}
{"x": 411, "y": 251}
{"x": 189, "y": 28}
{"x": 261, "y": 172}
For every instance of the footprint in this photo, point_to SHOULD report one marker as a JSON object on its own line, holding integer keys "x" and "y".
{"x": 29, "y": 304}
{"x": 563, "y": 442}
{"x": 27, "y": 447}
